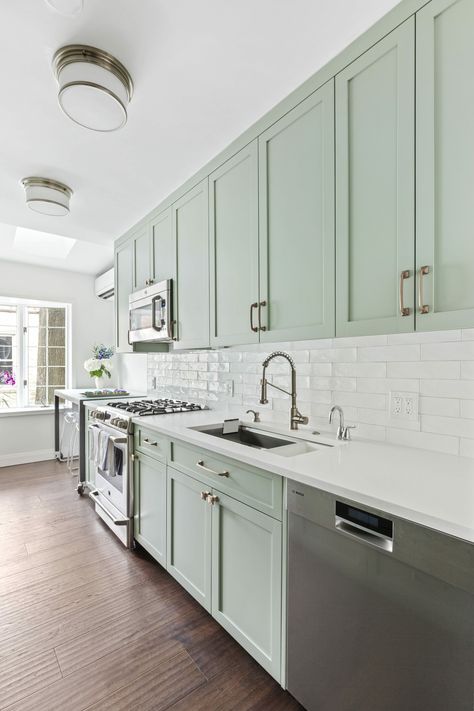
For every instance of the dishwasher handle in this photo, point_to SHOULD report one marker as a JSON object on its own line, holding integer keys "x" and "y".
{"x": 365, "y": 526}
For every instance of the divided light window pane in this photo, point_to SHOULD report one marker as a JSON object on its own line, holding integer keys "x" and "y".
{"x": 33, "y": 347}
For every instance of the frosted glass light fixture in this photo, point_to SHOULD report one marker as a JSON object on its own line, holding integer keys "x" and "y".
{"x": 94, "y": 87}
{"x": 49, "y": 197}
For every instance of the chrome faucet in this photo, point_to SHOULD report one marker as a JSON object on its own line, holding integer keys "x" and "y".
{"x": 296, "y": 417}
{"x": 343, "y": 431}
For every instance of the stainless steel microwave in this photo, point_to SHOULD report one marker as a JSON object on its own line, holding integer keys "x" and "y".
{"x": 151, "y": 313}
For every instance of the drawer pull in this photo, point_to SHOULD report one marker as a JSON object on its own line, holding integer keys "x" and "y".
{"x": 201, "y": 465}
{"x": 152, "y": 444}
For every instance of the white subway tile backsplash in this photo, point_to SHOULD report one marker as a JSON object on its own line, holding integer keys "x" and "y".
{"x": 425, "y": 369}
{"x": 461, "y": 350}
{"x": 357, "y": 373}
{"x": 390, "y": 353}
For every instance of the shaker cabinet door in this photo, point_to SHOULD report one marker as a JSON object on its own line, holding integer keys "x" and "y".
{"x": 233, "y": 226}
{"x": 445, "y": 165}
{"x": 296, "y": 207}
{"x": 141, "y": 258}
{"x": 122, "y": 290}
{"x": 163, "y": 247}
{"x": 191, "y": 289}
{"x": 246, "y": 578}
{"x": 375, "y": 188}
{"x": 189, "y": 536}
{"x": 150, "y": 506}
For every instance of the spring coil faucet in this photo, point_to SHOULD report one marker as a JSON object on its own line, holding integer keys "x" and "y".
{"x": 296, "y": 417}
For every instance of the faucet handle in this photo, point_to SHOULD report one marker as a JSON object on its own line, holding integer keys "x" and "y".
{"x": 256, "y": 415}
{"x": 346, "y": 432}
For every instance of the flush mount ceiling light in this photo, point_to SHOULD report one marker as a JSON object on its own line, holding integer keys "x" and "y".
{"x": 94, "y": 87}
{"x": 49, "y": 197}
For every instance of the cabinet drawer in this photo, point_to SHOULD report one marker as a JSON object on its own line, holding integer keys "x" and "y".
{"x": 260, "y": 489}
{"x": 151, "y": 443}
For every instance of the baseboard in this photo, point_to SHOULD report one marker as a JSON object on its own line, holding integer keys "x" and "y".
{"x": 40, "y": 455}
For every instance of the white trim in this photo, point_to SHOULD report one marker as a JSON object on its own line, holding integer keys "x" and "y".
{"x": 22, "y": 411}
{"x": 40, "y": 455}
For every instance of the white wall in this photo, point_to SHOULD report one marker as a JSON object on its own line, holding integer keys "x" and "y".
{"x": 356, "y": 373}
{"x": 30, "y": 437}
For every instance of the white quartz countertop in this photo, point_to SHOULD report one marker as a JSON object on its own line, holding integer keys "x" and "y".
{"x": 429, "y": 488}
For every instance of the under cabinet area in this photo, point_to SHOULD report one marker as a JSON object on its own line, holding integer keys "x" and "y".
{"x": 216, "y": 525}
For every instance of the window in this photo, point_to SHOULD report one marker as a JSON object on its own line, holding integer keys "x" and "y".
{"x": 34, "y": 351}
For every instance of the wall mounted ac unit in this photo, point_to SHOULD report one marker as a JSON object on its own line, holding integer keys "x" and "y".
{"x": 104, "y": 285}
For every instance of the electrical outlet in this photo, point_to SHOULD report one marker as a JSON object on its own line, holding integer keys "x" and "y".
{"x": 404, "y": 406}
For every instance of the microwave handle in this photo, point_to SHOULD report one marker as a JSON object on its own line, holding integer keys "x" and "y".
{"x": 153, "y": 313}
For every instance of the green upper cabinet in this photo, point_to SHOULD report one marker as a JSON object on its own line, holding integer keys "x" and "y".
{"x": 233, "y": 223}
{"x": 149, "y": 478}
{"x": 445, "y": 165}
{"x": 296, "y": 206}
{"x": 123, "y": 276}
{"x": 163, "y": 247}
{"x": 246, "y": 578}
{"x": 141, "y": 258}
{"x": 191, "y": 293}
{"x": 375, "y": 188}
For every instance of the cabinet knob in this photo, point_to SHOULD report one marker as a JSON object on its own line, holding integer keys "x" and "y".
{"x": 212, "y": 499}
{"x": 205, "y": 495}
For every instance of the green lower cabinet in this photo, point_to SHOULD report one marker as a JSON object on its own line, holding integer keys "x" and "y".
{"x": 150, "y": 506}
{"x": 189, "y": 536}
{"x": 246, "y": 578}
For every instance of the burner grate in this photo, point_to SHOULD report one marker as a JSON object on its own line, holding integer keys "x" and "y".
{"x": 161, "y": 406}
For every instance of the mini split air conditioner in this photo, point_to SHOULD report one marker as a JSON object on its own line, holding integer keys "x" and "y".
{"x": 104, "y": 285}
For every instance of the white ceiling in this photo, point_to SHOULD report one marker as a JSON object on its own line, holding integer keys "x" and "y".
{"x": 203, "y": 70}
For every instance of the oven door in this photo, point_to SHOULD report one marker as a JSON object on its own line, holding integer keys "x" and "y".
{"x": 110, "y": 461}
{"x": 150, "y": 314}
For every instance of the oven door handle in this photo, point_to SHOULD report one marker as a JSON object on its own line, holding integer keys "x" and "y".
{"x": 117, "y": 521}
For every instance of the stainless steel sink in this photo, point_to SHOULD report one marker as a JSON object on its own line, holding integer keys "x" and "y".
{"x": 248, "y": 436}
{"x": 260, "y": 439}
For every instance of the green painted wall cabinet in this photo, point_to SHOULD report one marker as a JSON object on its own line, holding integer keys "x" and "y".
{"x": 313, "y": 225}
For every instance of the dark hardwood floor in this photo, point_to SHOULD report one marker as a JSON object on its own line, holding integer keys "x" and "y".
{"x": 85, "y": 624}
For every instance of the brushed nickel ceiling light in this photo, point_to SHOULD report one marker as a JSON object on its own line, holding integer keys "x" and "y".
{"x": 94, "y": 87}
{"x": 49, "y": 197}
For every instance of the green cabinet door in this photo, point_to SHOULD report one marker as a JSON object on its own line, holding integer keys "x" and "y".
{"x": 445, "y": 165}
{"x": 149, "y": 505}
{"x": 141, "y": 258}
{"x": 189, "y": 536}
{"x": 123, "y": 287}
{"x": 296, "y": 206}
{"x": 375, "y": 188}
{"x": 163, "y": 247}
{"x": 191, "y": 292}
{"x": 233, "y": 226}
{"x": 246, "y": 578}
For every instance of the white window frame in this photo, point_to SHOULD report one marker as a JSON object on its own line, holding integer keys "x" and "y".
{"x": 21, "y": 366}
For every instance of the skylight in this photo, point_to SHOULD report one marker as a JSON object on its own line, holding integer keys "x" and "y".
{"x": 43, "y": 244}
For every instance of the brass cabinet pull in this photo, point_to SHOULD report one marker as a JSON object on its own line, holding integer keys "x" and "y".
{"x": 212, "y": 499}
{"x": 422, "y": 308}
{"x": 252, "y": 307}
{"x": 152, "y": 444}
{"x": 404, "y": 310}
{"x": 201, "y": 465}
{"x": 205, "y": 495}
{"x": 260, "y": 327}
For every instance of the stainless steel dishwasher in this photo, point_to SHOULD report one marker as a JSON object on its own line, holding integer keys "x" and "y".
{"x": 380, "y": 610}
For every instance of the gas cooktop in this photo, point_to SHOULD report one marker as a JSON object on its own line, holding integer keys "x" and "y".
{"x": 162, "y": 406}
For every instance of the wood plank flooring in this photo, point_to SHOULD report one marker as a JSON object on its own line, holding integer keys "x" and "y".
{"x": 87, "y": 625}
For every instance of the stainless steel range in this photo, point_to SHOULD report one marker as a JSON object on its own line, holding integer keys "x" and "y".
{"x": 110, "y": 445}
